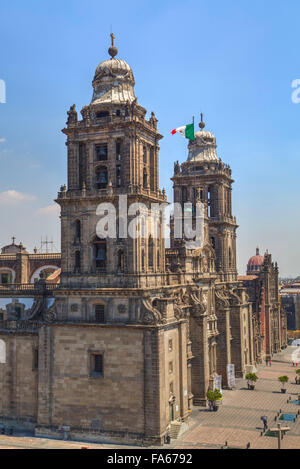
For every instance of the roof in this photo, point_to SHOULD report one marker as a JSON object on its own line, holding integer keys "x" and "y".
{"x": 247, "y": 277}
{"x": 55, "y": 277}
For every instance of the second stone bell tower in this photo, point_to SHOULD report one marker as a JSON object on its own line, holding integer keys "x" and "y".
{"x": 112, "y": 152}
{"x": 205, "y": 172}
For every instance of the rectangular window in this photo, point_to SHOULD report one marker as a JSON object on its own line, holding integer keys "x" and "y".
{"x": 170, "y": 345}
{"x": 171, "y": 388}
{"x": 99, "y": 314}
{"x": 170, "y": 367}
{"x": 102, "y": 115}
{"x": 101, "y": 152}
{"x": 96, "y": 365}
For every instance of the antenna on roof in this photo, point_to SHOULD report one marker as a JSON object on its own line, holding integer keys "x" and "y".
{"x": 47, "y": 246}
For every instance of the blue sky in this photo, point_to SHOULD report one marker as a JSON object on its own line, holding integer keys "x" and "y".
{"x": 234, "y": 61}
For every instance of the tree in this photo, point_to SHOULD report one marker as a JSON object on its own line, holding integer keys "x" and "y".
{"x": 212, "y": 397}
{"x": 252, "y": 378}
{"x": 283, "y": 380}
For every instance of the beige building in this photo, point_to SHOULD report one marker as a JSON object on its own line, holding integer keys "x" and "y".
{"x": 135, "y": 334}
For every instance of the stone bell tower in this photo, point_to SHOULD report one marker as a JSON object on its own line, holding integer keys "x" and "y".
{"x": 204, "y": 172}
{"x": 114, "y": 300}
{"x": 112, "y": 152}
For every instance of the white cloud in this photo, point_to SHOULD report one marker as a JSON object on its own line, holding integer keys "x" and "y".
{"x": 14, "y": 197}
{"x": 2, "y": 140}
{"x": 50, "y": 210}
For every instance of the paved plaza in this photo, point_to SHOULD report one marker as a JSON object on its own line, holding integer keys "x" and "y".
{"x": 237, "y": 421}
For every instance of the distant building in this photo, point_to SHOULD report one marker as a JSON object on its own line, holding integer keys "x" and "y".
{"x": 17, "y": 265}
{"x": 270, "y": 328}
{"x": 290, "y": 300}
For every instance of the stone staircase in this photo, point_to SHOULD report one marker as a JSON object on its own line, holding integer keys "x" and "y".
{"x": 177, "y": 428}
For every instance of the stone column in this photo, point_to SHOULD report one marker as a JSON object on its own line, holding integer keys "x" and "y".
{"x": 72, "y": 165}
{"x": 154, "y": 376}
{"x": 45, "y": 385}
{"x": 183, "y": 377}
{"x": 224, "y": 343}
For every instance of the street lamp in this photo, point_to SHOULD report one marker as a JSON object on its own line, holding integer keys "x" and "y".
{"x": 279, "y": 430}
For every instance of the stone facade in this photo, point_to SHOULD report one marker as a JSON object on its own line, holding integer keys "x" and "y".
{"x": 135, "y": 334}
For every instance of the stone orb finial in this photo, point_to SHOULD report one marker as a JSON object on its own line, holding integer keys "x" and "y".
{"x": 113, "y": 51}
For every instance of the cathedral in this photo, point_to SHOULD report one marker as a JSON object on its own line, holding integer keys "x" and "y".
{"x": 134, "y": 334}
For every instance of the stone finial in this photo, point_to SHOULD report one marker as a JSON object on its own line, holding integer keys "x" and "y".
{"x": 202, "y": 124}
{"x": 176, "y": 167}
{"x": 153, "y": 120}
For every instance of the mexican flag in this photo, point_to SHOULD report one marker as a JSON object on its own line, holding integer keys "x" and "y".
{"x": 187, "y": 131}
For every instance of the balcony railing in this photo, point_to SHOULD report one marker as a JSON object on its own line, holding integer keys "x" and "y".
{"x": 32, "y": 288}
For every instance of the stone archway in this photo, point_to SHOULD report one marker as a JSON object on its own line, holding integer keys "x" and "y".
{"x": 36, "y": 273}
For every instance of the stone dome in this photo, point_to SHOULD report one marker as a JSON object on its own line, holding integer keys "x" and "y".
{"x": 204, "y": 147}
{"x": 13, "y": 249}
{"x": 113, "y": 67}
{"x": 113, "y": 82}
{"x": 255, "y": 262}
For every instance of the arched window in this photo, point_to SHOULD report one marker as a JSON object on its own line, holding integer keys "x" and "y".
{"x": 121, "y": 260}
{"x": 143, "y": 260}
{"x": 145, "y": 179}
{"x": 118, "y": 151}
{"x": 158, "y": 259}
{"x": 77, "y": 261}
{"x": 150, "y": 251}
{"x": 101, "y": 177}
{"x": 152, "y": 169}
{"x": 78, "y": 231}
{"x": 100, "y": 254}
{"x": 213, "y": 242}
{"x": 2, "y": 351}
{"x": 145, "y": 154}
{"x": 209, "y": 202}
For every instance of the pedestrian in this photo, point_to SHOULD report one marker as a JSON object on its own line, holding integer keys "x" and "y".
{"x": 270, "y": 363}
{"x": 293, "y": 364}
{"x": 248, "y": 384}
{"x": 267, "y": 362}
{"x": 265, "y": 422}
